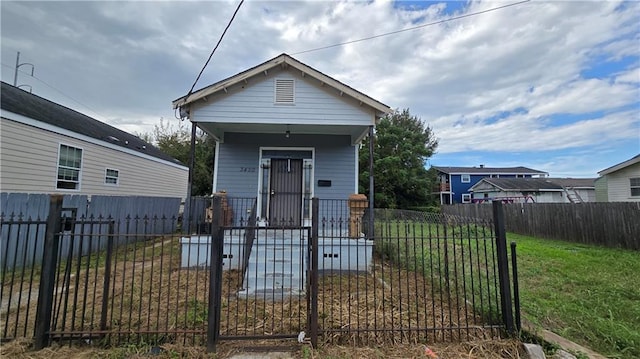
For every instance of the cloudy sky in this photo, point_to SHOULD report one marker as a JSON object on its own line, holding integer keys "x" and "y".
{"x": 551, "y": 85}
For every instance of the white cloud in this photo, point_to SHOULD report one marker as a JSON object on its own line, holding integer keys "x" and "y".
{"x": 631, "y": 76}
{"x": 492, "y": 82}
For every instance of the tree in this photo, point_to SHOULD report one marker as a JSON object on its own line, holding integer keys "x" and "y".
{"x": 176, "y": 142}
{"x": 402, "y": 144}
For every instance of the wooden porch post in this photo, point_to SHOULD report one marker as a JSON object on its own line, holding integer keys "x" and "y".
{"x": 186, "y": 219}
{"x": 371, "y": 191}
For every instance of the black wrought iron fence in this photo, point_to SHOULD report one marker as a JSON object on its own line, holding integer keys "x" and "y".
{"x": 416, "y": 278}
{"x": 22, "y": 241}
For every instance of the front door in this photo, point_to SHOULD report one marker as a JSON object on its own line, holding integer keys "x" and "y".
{"x": 285, "y": 204}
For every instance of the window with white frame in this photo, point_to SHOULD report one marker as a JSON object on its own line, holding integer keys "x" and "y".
{"x": 111, "y": 177}
{"x": 466, "y": 198}
{"x": 466, "y": 178}
{"x": 69, "y": 166}
{"x": 634, "y": 183}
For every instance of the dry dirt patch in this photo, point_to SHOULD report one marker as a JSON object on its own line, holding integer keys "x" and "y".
{"x": 504, "y": 348}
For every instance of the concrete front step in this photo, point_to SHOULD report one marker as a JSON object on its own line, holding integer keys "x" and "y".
{"x": 273, "y": 282}
{"x": 276, "y": 265}
{"x": 275, "y": 294}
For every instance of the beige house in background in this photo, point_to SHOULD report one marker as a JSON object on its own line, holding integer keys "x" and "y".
{"x": 619, "y": 183}
{"x": 48, "y": 148}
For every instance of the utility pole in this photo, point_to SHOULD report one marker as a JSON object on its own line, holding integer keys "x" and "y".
{"x": 18, "y": 64}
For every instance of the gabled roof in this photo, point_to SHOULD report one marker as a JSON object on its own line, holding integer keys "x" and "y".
{"x": 284, "y": 61}
{"x": 489, "y": 170}
{"x": 635, "y": 159}
{"x": 521, "y": 184}
{"x": 35, "y": 107}
{"x": 584, "y": 183}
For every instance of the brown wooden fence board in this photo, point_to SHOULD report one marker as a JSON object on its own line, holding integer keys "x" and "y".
{"x": 614, "y": 225}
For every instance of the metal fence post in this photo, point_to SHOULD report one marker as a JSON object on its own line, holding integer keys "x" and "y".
{"x": 516, "y": 288}
{"x": 503, "y": 267}
{"x": 107, "y": 277}
{"x": 47, "y": 278}
{"x": 215, "y": 276}
{"x": 313, "y": 273}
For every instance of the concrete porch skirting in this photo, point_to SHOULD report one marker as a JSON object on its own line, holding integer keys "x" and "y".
{"x": 336, "y": 254}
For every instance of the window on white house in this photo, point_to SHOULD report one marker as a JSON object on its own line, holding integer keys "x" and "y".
{"x": 519, "y": 176}
{"x": 69, "y": 166}
{"x": 466, "y": 178}
{"x": 466, "y": 198}
{"x": 111, "y": 177}
{"x": 495, "y": 176}
{"x": 635, "y": 186}
{"x": 284, "y": 91}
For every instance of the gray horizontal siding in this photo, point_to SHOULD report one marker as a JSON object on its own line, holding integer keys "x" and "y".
{"x": 334, "y": 160}
{"x": 336, "y": 164}
{"x": 232, "y": 159}
{"x": 29, "y": 164}
{"x": 254, "y": 103}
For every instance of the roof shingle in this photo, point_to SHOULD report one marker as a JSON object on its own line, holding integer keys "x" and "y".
{"x": 32, "y": 106}
{"x": 488, "y": 170}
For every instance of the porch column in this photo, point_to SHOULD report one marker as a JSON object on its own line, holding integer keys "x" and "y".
{"x": 186, "y": 218}
{"x": 371, "y": 191}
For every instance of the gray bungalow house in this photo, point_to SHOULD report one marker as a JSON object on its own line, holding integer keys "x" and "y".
{"x": 285, "y": 133}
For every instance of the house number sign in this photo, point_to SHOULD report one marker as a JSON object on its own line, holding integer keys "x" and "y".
{"x": 247, "y": 169}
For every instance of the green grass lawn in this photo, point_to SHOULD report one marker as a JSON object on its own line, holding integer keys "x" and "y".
{"x": 588, "y": 294}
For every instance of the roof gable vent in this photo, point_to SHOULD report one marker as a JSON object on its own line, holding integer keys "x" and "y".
{"x": 284, "y": 91}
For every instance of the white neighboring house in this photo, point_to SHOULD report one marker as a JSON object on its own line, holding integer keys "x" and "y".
{"x": 577, "y": 190}
{"x": 48, "y": 148}
{"x": 534, "y": 190}
{"x": 620, "y": 183}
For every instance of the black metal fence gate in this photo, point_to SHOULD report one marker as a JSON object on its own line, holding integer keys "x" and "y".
{"x": 418, "y": 277}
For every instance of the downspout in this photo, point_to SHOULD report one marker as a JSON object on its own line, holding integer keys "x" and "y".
{"x": 371, "y": 191}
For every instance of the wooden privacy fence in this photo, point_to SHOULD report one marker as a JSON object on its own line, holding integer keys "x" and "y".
{"x": 23, "y": 248}
{"x": 608, "y": 224}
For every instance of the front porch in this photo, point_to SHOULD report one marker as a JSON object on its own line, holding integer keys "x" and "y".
{"x": 274, "y": 259}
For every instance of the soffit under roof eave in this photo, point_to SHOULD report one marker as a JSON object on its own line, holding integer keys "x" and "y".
{"x": 211, "y": 131}
{"x": 355, "y": 133}
{"x": 620, "y": 166}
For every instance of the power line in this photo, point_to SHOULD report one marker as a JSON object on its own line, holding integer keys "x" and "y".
{"x": 411, "y": 28}
{"x": 214, "y": 49}
{"x": 55, "y": 89}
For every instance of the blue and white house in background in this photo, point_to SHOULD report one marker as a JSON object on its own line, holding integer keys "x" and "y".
{"x": 454, "y": 183}
{"x": 285, "y": 133}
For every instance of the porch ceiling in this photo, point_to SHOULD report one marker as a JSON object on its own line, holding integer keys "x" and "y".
{"x": 217, "y": 130}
